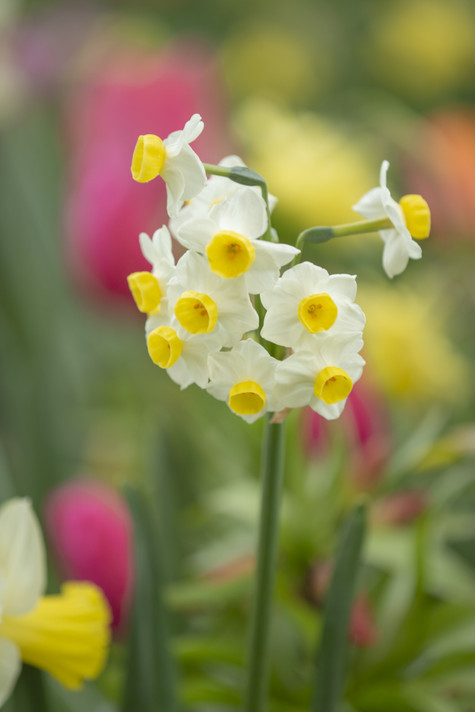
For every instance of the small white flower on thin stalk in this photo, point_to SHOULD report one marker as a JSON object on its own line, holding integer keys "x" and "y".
{"x": 204, "y": 303}
{"x": 322, "y": 379}
{"x": 307, "y": 303}
{"x": 174, "y": 161}
{"x": 229, "y": 237}
{"x": 410, "y": 218}
{"x": 182, "y": 355}
{"x": 244, "y": 378}
{"x": 217, "y": 190}
{"x": 149, "y": 289}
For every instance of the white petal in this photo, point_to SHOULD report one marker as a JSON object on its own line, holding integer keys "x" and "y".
{"x": 147, "y": 247}
{"x": 295, "y": 380}
{"x": 344, "y": 285}
{"x": 193, "y": 128}
{"x": 383, "y": 172}
{"x": 22, "y": 557}
{"x": 162, "y": 244}
{"x": 395, "y": 254}
{"x": 195, "y": 234}
{"x": 10, "y": 666}
{"x": 329, "y": 411}
{"x": 175, "y": 183}
{"x": 371, "y": 206}
{"x": 244, "y": 212}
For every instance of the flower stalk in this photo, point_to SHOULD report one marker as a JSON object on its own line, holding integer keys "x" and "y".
{"x": 258, "y": 664}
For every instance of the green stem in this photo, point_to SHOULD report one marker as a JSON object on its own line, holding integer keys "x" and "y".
{"x": 258, "y": 664}
{"x": 362, "y": 226}
{"x": 317, "y": 235}
{"x": 213, "y": 170}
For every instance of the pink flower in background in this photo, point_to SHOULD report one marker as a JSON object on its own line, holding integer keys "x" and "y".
{"x": 89, "y": 530}
{"x": 129, "y": 93}
{"x": 400, "y": 508}
{"x": 366, "y": 428}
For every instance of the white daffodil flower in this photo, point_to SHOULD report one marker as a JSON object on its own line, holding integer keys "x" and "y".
{"x": 229, "y": 237}
{"x": 323, "y": 378}
{"x": 217, "y": 190}
{"x": 68, "y": 634}
{"x": 174, "y": 161}
{"x": 204, "y": 303}
{"x": 244, "y": 377}
{"x": 183, "y": 355}
{"x": 410, "y": 218}
{"x": 149, "y": 289}
{"x": 307, "y": 303}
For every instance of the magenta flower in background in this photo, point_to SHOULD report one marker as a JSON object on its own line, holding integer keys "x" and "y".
{"x": 89, "y": 529}
{"x": 131, "y": 92}
{"x": 365, "y": 424}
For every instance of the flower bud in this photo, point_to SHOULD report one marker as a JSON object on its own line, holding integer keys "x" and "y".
{"x": 89, "y": 529}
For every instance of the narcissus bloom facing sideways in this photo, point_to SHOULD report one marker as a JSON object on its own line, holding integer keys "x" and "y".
{"x": 149, "y": 289}
{"x": 410, "y": 218}
{"x": 307, "y": 303}
{"x": 229, "y": 237}
{"x": 244, "y": 378}
{"x": 322, "y": 378}
{"x": 67, "y": 634}
{"x": 174, "y": 160}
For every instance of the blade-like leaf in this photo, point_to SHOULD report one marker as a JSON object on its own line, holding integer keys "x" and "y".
{"x": 332, "y": 656}
{"x": 150, "y": 673}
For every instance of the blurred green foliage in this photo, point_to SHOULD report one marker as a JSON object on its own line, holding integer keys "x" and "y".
{"x": 78, "y": 394}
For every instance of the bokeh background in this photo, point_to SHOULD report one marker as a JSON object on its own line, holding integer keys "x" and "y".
{"x": 313, "y": 95}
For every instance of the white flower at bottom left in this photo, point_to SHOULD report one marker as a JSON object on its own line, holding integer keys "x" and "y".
{"x": 67, "y": 634}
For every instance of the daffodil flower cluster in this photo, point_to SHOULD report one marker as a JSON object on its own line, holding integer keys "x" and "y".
{"x": 224, "y": 316}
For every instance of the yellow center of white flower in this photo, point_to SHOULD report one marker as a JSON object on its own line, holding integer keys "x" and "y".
{"x": 417, "y": 215}
{"x": 247, "y": 398}
{"x": 164, "y": 346}
{"x": 148, "y": 158}
{"x": 317, "y": 312}
{"x": 67, "y": 635}
{"x": 230, "y": 254}
{"x": 145, "y": 291}
{"x": 332, "y": 385}
{"x": 196, "y": 312}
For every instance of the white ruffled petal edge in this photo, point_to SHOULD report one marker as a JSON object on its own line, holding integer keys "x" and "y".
{"x": 10, "y": 666}
{"x": 22, "y": 557}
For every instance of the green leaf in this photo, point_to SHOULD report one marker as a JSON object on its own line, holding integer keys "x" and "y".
{"x": 150, "y": 673}
{"x": 332, "y": 656}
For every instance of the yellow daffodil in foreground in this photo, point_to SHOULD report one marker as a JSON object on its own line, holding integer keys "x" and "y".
{"x": 66, "y": 634}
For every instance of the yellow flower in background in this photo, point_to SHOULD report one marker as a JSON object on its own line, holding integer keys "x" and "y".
{"x": 273, "y": 63}
{"x": 423, "y": 48}
{"x": 68, "y": 634}
{"x": 317, "y": 170}
{"x": 407, "y": 349}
